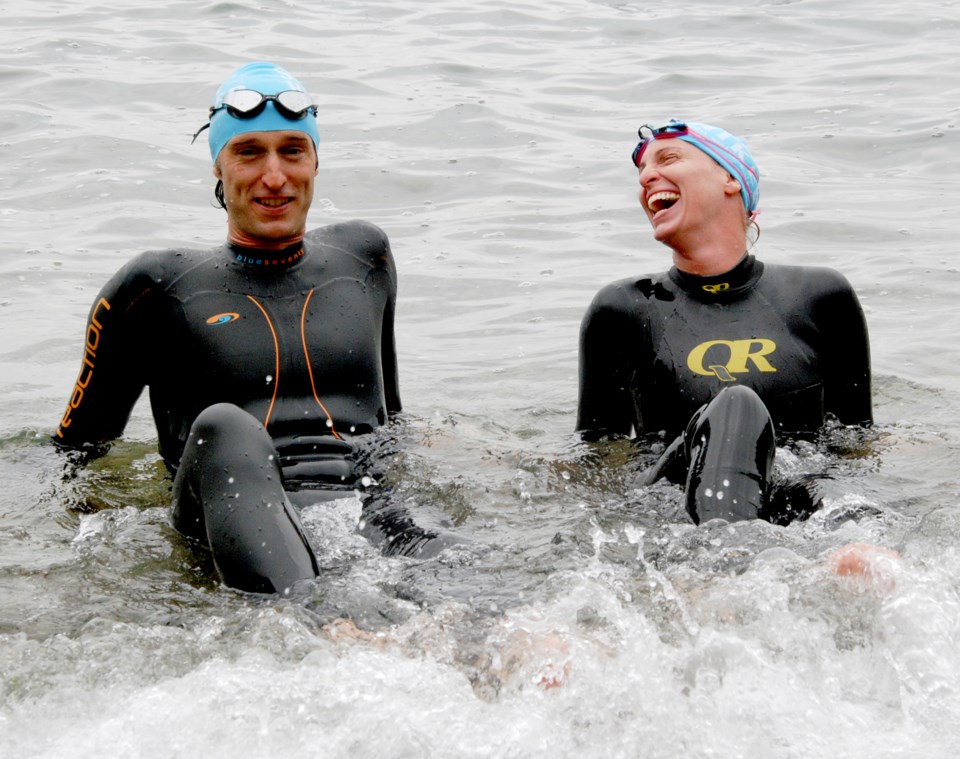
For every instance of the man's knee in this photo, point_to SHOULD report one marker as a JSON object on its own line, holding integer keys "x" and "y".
{"x": 223, "y": 416}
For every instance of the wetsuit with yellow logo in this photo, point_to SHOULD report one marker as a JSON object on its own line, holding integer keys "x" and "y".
{"x": 654, "y": 351}
{"x": 264, "y": 367}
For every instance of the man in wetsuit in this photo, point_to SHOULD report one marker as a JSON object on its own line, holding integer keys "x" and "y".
{"x": 722, "y": 353}
{"x": 266, "y": 357}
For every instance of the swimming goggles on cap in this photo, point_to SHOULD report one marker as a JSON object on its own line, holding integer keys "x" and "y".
{"x": 673, "y": 129}
{"x": 248, "y": 104}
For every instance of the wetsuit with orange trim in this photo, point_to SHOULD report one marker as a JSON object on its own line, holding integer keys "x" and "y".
{"x": 659, "y": 355}
{"x": 264, "y": 367}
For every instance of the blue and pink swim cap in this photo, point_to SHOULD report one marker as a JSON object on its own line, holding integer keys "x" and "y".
{"x": 268, "y": 80}
{"x": 727, "y": 150}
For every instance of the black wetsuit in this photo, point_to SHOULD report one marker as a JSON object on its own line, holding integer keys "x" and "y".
{"x": 655, "y": 350}
{"x": 263, "y": 367}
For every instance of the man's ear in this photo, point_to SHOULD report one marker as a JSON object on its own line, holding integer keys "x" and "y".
{"x": 216, "y": 170}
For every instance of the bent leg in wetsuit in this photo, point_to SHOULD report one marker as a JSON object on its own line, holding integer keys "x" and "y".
{"x": 228, "y": 494}
{"x": 385, "y": 521}
{"x": 724, "y": 457}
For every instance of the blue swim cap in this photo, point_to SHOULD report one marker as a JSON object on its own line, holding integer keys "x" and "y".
{"x": 729, "y": 151}
{"x": 267, "y": 79}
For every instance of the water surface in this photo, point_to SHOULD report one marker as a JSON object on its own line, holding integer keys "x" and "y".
{"x": 491, "y": 143}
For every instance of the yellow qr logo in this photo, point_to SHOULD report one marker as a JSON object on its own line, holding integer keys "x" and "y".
{"x": 730, "y": 357}
{"x": 717, "y": 288}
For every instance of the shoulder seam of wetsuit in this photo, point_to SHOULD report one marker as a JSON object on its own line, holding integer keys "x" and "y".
{"x": 158, "y": 266}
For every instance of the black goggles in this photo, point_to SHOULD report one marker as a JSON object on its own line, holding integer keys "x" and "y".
{"x": 673, "y": 129}
{"x": 248, "y": 104}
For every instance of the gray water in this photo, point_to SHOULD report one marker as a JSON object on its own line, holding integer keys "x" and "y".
{"x": 491, "y": 142}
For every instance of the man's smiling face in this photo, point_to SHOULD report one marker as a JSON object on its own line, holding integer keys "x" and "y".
{"x": 268, "y": 187}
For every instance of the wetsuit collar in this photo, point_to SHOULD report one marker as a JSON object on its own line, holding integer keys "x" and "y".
{"x": 266, "y": 259}
{"x": 721, "y": 287}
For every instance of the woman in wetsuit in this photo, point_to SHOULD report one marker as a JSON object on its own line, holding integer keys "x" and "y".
{"x": 722, "y": 354}
{"x": 266, "y": 357}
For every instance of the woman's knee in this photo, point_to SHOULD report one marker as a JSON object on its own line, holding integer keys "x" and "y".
{"x": 737, "y": 408}
{"x": 740, "y": 396}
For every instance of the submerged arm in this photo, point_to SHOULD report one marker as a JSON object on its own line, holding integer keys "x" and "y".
{"x": 605, "y": 405}
{"x": 847, "y": 382}
{"x": 112, "y": 375}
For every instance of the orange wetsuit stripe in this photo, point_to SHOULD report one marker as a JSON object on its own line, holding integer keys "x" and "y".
{"x": 276, "y": 353}
{"x": 306, "y": 353}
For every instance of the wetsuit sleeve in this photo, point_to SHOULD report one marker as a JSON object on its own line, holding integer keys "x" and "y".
{"x": 372, "y": 242}
{"x": 388, "y": 343}
{"x": 606, "y": 407}
{"x": 112, "y": 372}
{"x": 388, "y": 358}
{"x": 846, "y": 358}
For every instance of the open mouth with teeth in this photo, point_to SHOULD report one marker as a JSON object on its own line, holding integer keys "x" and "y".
{"x": 660, "y": 201}
{"x": 273, "y": 202}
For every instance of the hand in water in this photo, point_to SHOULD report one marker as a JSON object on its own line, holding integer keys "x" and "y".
{"x": 872, "y": 566}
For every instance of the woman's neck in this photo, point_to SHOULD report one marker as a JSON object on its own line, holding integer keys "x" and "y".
{"x": 706, "y": 255}
{"x": 708, "y": 263}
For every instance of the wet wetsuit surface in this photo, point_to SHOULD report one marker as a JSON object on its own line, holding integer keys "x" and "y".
{"x": 724, "y": 366}
{"x": 302, "y": 339}
{"x": 654, "y": 350}
{"x": 264, "y": 368}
